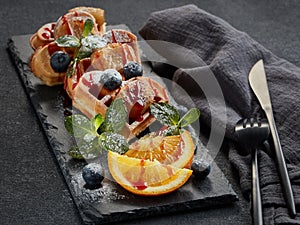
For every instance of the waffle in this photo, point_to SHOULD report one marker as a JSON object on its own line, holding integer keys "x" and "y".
{"x": 83, "y": 87}
{"x": 120, "y": 50}
{"x": 40, "y": 64}
{"x": 43, "y": 41}
{"x": 43, "y": 36}
{"x": 138, "y": 93}
{"x": 97, "y": 13}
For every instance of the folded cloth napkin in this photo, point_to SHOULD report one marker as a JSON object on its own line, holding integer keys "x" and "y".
{"x": 230, "y": 54}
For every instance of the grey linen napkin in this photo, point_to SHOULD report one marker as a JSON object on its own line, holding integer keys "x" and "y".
{"x": 230, "y": 54}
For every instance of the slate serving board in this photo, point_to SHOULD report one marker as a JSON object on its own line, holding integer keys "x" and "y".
{"x": 110, "y": 203}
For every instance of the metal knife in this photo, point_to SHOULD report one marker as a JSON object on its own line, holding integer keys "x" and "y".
{"x": 258, "y": 83}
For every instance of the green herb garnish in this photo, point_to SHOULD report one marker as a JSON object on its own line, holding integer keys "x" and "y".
{"x": 69, "y": 41}
{"x": 115, "y": 117}
{"x": 84, "y": 46}
{"x": 169, "y": 116}
{"x": 88, "y": 27}
{"x": 98, "y": 133}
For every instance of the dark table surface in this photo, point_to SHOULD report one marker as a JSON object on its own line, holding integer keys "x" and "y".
{"x": 33, "y": 190}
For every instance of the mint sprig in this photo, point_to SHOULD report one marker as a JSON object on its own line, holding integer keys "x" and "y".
{"x": 165, "y": 113}
{"x": 84, "y": 45}
{"x": 98, "y": 133}
{"x": 170, "y": 117}
{"x": 68, "y": 41}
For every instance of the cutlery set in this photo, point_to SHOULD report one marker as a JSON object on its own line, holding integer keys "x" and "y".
{"x": 253, "y": 132}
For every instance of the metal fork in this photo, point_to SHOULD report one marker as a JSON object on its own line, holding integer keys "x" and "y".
{"x": 253, "y": 132}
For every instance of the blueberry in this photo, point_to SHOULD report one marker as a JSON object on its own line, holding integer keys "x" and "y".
{"x": 132, "y": 69}
{"x": 60, "y": 61}
{"x": 200, "y": 168}
{"x": 111, "y": 79}
{"x": 92, "y": 174}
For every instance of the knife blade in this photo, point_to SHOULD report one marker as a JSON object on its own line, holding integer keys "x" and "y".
{"x": 258, "y": 83}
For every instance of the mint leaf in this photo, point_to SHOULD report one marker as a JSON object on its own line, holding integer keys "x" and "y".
{"x": 115, "y": 117}
{"x": 84, "y": 46}
{"x": 97, "y": 121}
{"x": 78, "y": 125}
{"x": 191, "y": 116}
{"x": 88, "y": 27}
{"x": 88, "y": 44}
{"x": 89, "y": 144}
{"x": 165, "y": 113}
{"x": 90, "y": 141}
{"x": 113, "y": 142}
{"x": 169, "y": 116}
{"x": 68, "y": 41}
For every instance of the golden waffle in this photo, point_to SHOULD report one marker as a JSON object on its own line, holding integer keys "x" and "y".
{"x": 91, "y": 98}
{"x": 43, "y": 41}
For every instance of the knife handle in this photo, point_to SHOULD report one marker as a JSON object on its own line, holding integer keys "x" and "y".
{"x": 283, "y": 173}
{"x": 256, "y": 198}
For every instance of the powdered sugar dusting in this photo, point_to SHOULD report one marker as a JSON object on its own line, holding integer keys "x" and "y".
{"x": 103, "y": 194}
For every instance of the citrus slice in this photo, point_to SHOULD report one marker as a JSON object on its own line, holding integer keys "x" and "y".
{"x": 177, "y": 150}
{"x": 145, "y": 177}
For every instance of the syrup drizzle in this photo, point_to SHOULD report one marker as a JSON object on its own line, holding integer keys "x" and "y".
{"x": 113, "y": 38}
{"x": 53, "y": 47}
{"x": 136, "y": 112}
{"x": 67, "y": 25}
{"x": 45, "y": 35}
{"x": 136, "y": 98}
{"x": 48, "y": 32}
{"x": 88, "y": 82}
{"x": 83, "y": 66}
{"x": 140, "y": 184}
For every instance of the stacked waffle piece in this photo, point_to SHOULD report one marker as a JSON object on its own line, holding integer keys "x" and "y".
{"x": 94, "y": 79}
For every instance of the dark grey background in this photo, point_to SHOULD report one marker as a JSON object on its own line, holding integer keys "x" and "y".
{"x": 32, "y": 189}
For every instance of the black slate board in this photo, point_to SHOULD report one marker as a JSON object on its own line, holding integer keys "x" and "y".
{"x": 110, "y": 203}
